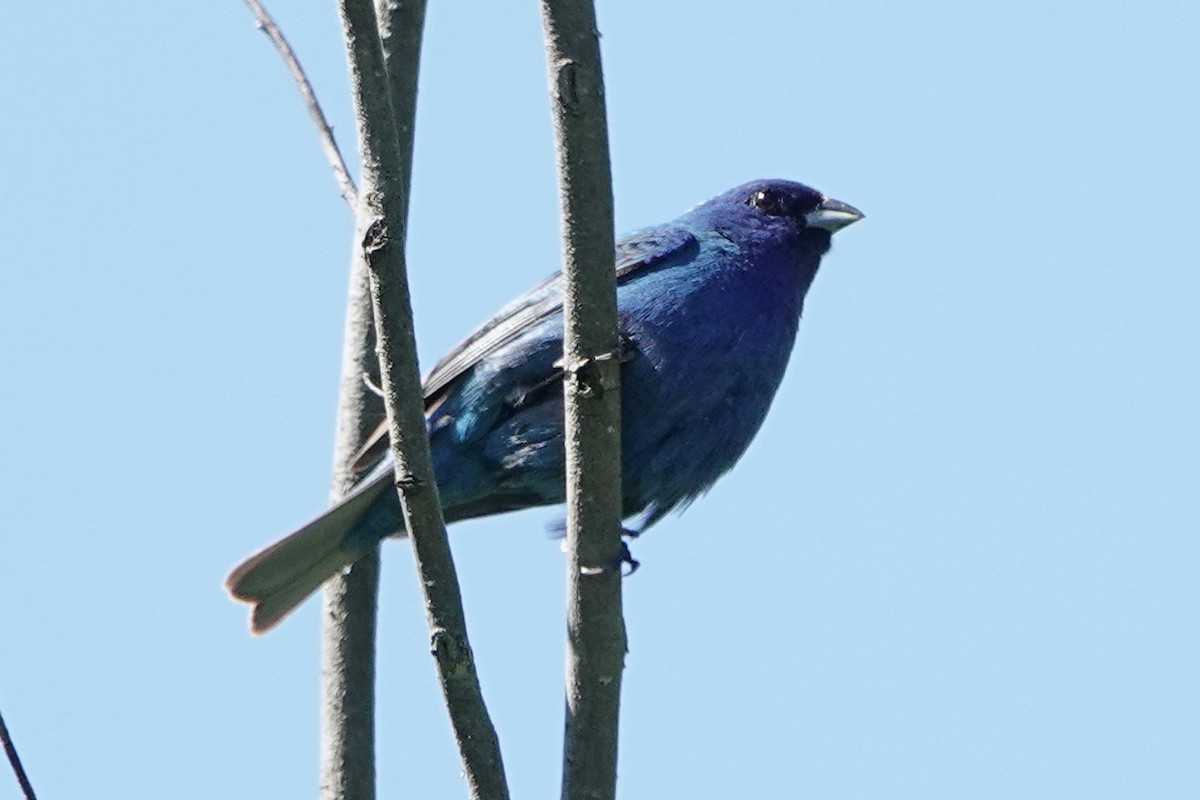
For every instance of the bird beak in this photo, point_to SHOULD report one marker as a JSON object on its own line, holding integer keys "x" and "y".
{"x": 832, "y": 215}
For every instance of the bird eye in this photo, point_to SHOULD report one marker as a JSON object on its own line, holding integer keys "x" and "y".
{"x": 771, "y": 202}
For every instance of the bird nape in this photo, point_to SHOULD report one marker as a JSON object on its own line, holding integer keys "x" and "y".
{"x": 708, "y": 307}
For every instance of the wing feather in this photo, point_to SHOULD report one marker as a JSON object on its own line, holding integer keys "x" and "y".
{"x": 635, "y": 253}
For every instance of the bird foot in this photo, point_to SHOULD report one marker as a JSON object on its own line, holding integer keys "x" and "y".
{"x": 626, "y": 557}
{"x": 619, "y": 561}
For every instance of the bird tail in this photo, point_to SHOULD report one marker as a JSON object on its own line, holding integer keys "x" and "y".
{"x": 280, "y": 577}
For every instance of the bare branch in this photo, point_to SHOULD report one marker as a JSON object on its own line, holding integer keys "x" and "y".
{"x": 350, "y": 599}
{"x": 382, "y": 226}
{"x": 596, "y": 630}
{"x": 10, "y": 749}
{"x": 324, "y": 132}
{"x": 401, "y": 23}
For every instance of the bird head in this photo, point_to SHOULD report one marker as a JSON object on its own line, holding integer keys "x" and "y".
{"x": 778, "y": 212}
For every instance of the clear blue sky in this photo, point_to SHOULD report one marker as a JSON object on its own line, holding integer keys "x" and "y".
{"x": 960, "y": 560}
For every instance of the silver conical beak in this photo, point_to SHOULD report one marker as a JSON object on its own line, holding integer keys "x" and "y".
{"x": 832, "y": 215}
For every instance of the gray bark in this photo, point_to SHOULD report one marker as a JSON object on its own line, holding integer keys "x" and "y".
{"x": 596, "y": 641}
{"x": 386, "y": 149}
{"x": 349, "y": 609}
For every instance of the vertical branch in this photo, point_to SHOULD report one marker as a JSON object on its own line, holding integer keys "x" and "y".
{"x": 596, "y": 630}
{"x": 347, "y": 767}
{"x": 349, "y": 609}
{"x": 401, "y": 23}
{"x": 382, "y": 224}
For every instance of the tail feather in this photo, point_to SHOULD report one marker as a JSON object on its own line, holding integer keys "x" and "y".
{"x": 280, "y": 577}
{"x": 270, "y": 608}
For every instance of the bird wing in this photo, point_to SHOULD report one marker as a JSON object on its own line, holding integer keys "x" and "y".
{"x": 639, "y": 251}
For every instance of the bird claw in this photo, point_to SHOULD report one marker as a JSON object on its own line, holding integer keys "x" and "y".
{"x": 621, "y": 559}
{"x": 628, "y": 348}
{"x": 625, "y": 350}
{"x": 626, "y": 557}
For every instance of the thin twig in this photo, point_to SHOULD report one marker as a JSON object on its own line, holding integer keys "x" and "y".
{"x": 324, "y": 131}
{"x": 10, "y": 749}
{"x": 382, "y": 226}
{"x": 595, "y": 626}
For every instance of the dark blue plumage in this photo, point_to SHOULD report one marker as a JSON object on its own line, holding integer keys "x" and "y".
{"x": 708, "y": 305}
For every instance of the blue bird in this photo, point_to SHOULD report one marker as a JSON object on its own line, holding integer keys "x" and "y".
{"x": 708, "y": 308}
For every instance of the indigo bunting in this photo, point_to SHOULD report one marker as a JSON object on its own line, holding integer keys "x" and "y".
{"x": 708, "y": 308}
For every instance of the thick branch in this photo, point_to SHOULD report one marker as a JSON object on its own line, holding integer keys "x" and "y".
{"x": 596, "y": 629}
{"x": 382, "y": 222}
{"x": 324, "y": 131}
